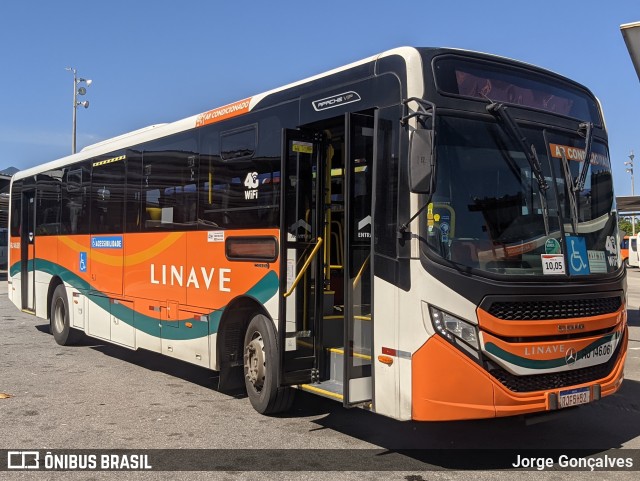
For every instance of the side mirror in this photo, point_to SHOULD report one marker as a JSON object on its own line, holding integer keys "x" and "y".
{"x": 421, "y": 161}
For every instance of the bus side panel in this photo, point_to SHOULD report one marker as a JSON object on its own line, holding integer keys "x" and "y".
{"x": 14, "y": 269}
{"x": 386, "y": 377}
{"x": 182, "y": 282}
{"x": 46, "y": 248}
{"x": 73, "y": 262}
{"x": 186, "y": 337}
{"x": 99, "y": 317}
{"x": 147, "y": 322}
{"x": 222, "y": 269}
{"x": 215, "y": 279}
{"x": 154, "y": 266}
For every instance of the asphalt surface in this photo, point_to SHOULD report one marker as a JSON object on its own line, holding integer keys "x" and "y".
{"x": 97, "y": 396}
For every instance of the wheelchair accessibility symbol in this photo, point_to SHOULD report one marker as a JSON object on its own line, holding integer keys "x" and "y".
{"x": 578, "y": 259}
{"x": 83, "y": 262}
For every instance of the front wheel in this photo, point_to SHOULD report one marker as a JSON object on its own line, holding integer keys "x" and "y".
{"x": 59, "y": 321}
{"x": 261, "y": 368}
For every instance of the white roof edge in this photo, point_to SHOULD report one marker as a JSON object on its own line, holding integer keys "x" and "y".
{"x": 123, "y": 136}
{"x": 109, "y": 145}
{"x": 407, "y": 53}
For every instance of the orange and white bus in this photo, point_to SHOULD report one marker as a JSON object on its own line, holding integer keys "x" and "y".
{"x": 624, "y": 250}
{"x": 427, "y": 234}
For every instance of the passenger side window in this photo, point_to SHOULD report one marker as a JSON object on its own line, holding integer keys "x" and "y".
{"x": 238, "y": 188}
{"x": 75, "y": 199}
{"x": 48, "y": 198}
{"x": 107, "y": 194}
{"x": 169, "y": 184}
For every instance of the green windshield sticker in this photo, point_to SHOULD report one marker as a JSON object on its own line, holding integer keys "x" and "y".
{"x": 552, "y": 246}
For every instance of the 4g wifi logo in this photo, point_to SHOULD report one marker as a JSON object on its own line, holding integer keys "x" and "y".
{"x": 251, "y": 182}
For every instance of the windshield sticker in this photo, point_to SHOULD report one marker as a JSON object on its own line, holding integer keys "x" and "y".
{"x": 576, "y": 154}
{"x": 611, "y": 247}
{"x": 444, "y": 232}
{"x": 597, "y": 262}
{"x": 552, "y": 264}
{"x": 302, "y": 147}
{"x": 430, "y": 222}
{"x": 577, "y": 253}
{"x": 552, "y": 246}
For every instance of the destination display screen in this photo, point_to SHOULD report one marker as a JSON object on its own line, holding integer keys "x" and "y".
{"x": 497, "y": 82}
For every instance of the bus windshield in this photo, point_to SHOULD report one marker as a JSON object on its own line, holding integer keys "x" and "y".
{"x": 488, "y": 210}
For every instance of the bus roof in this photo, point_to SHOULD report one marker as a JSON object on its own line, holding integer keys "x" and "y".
{"x": 411, "y": 56}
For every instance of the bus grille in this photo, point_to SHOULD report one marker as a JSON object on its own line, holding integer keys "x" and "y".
{"x": 543, "y": 382}
{"x": 555, "y": 309}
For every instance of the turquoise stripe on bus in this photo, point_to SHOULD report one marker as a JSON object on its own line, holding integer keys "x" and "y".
{"x": 262, "y": 291}
{"x": 15, "y": 269}
{"x": 547, "y": 363}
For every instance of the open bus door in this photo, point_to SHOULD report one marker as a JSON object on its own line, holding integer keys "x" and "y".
{"x": 27, "y": 249}
{"x": 300, "y": 256}
{"x": 358, "y": 281}
{"x": 325, "y": 318}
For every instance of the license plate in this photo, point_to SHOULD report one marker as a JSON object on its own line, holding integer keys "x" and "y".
{"x": 574, "y": 397}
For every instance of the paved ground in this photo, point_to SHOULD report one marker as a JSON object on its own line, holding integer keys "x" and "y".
{"x": 100, "y": 396}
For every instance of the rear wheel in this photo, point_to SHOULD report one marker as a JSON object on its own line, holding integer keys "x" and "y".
{"x": 261, "y": 368}
{"x": 59, "y": 322}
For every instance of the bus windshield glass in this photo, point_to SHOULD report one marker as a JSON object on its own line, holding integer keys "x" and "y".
{"x": 488, "y": 80}
{"x": 488, "y": 211}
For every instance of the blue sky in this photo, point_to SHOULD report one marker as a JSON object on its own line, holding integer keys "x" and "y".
{"x": 160, "y": 61}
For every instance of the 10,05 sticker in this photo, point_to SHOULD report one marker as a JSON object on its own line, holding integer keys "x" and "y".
{"x": 552, "y": 264}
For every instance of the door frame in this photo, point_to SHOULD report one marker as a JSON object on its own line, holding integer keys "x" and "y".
{"x": 361, "y": 375}
{"x": 28, "y": 249}
{"x": 300, "y": 367}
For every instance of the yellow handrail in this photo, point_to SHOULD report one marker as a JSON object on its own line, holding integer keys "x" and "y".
{"x": 304, "y": 267}
{"x": 356, "y": 281}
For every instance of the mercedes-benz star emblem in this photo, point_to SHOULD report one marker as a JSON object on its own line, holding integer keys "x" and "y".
{"x": 571, "y": 356}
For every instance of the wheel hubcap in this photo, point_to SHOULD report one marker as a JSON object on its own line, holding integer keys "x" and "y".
{"x": 254, "y": 362}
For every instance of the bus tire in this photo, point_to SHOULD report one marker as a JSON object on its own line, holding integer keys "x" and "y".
{"x": 261, "y": 368}
{"x": 60, "y": 322}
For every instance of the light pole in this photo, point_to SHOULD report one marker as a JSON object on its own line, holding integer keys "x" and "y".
{"x": 629, "y": 169}
{"x": 77, "y": 91}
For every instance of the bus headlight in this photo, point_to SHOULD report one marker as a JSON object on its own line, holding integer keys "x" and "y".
{"x": 453, "y": 328}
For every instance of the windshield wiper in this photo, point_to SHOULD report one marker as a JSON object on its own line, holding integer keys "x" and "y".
{"x": 500, "y": 111}
{"x": 571, "y": 190}
{"x": 575, "y": 187}
{"x": 588, "y": 137}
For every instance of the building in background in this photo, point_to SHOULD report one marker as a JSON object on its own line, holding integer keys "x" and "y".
{"x": 5, "y": 180}
{"x": 631, "y": 35}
